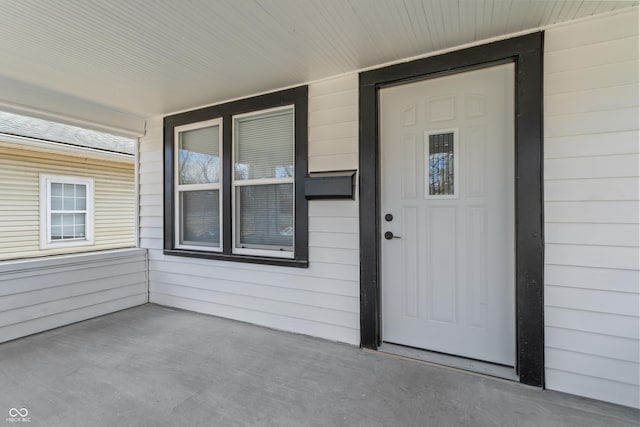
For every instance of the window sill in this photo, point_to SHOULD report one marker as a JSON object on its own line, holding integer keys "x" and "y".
{"x": 283, "y": 262}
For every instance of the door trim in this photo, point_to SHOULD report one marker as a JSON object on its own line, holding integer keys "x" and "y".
{"x": 526, "y": 54}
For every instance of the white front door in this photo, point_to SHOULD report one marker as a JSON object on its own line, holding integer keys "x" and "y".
{"x": 447, "y": 170}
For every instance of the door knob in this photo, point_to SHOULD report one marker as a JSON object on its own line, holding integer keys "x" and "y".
{"x": 389, "y": 235}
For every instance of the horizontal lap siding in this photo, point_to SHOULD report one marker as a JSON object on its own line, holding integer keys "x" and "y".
{"x": 322, "y": 300}
{"x": 591, "y": 209}
{"x": 591, "y": 221}
{"x": 20, "y": 200}
{"x": 41, "y": 294}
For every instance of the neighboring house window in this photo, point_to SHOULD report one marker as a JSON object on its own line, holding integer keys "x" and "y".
{"x": 237, "y": 171}
{"x": 66, "y": 211}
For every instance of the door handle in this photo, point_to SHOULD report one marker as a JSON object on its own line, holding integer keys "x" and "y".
{"x": 389, "y": 235}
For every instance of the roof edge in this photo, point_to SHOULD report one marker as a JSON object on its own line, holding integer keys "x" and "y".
{"x": 66, "y": 148}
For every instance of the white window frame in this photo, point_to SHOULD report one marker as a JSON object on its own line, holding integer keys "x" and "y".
{"x": 196, "y": 187}
{"x": 263, "y": 181}
{"x": 456, "y": 169}
{"x": 45, "y": 211}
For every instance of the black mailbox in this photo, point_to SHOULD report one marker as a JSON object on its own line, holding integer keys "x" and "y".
{"x": 330, "y": 185}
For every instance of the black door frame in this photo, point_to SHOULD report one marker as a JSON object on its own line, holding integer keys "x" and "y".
{"x": 526, "y": 54}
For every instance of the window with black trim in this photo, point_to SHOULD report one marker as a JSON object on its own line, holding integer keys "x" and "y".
{"x": 234, "y": 176}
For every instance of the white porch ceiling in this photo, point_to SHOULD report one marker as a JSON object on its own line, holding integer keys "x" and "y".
{"x": 150, "y": 57}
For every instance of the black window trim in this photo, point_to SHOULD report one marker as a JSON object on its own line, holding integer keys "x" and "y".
{"x": 298, "y": 97}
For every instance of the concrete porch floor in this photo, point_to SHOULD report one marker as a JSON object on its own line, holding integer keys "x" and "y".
{"x": 154, "y": 366}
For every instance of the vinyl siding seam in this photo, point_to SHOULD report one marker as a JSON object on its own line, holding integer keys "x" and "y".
{"x": 592, "y": 44}
{"x": 590, "y": 376}
{"x": 72, "y": 310}
{"x": 280, "y": 301}
{"x": 596, "y": 266}
{"x": 608, "y": 245}
{"x": 120, "y": 286}
{"x": 592, "y": 333}
{"x": 252, "y": 267}
{"x": 330, "y": 294}
{"x": 607, "y": 110}
{"x": 71, "y": 283}
{"x": 255, "y": 310}
{"x": 582, "y": 310}
{"x": 595, "y": 356}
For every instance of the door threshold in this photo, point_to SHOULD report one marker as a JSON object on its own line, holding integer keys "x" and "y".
{"x": 472, "y": 365}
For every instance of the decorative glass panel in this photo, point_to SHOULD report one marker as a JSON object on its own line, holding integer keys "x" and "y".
{"x": 200, "y": 218}
{"x": 264, "y": 145}
{"x": 265, "y": 217}
{"x": 199, "y": 155}
{"x": 441, "y": 164}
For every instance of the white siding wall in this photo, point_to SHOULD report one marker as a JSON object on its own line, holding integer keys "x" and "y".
{"x": 591, "y": 214}
{"x": 45, "y": 293}
{"x": 322, "y": 300}
{"x": 591, "y": 208}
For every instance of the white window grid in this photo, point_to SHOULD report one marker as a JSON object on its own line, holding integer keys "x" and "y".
{"x": 46, "y": 211}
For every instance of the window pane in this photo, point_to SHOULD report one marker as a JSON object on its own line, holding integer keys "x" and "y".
{"x": 199, "y": 155}
{"x": 56, "y": 220}
{"x": 200, "y": 218}
{"x": 67, "y": 220}
{"x": 56, "y": 203}
{"x": 69, "y": 203}
{"x": 67, "y": 226}
{"x": 265, "y": 217}
{"x": 78, "y": 219}
{"x": 81, "y": 201}
{"x": 441, "y": 173}
{"x": 79, "y": 231}
{"x": 56, "y": 232}
{"x": 81, "y": 204}
{"x": 56, "y": 189}
{"x": 67, "y": 232}
{"x": 68, "y": 197}
{"x": 264, "y": 145}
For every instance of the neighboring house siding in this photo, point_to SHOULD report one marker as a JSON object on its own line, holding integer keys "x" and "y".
{"x": 20, "y": 200}
{"x": 322, "y": 300}
{"x": 591, "y": 208}
{"x": 45, "y": 293}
